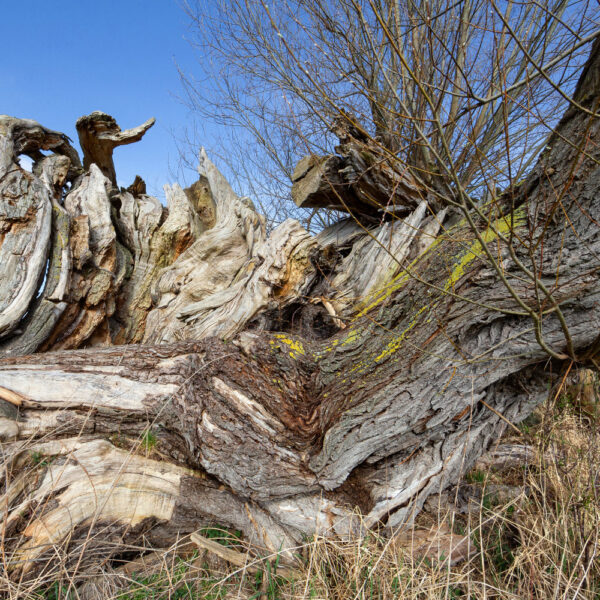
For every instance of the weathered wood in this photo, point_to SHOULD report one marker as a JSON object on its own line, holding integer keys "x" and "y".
{"x": 99, "y": 135}
{"x": 437, "y": 545}
{"x": 26, "y": 216}
{"x": 24, "y": 136}
{"x": 244, "y": 560}
{"x": 506, "y": 456}
{"x": 155, "y": 238}
{"x": 27, "y": 202}
{"x": 275, "y": 420}
{"x": 86, "y": 484}
{"x": 363, "y": 178}
{"x": 131, "y": 256}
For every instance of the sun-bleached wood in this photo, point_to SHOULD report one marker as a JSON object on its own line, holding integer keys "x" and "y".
{"x": 288, "y": 380}
{"x": 99, "y": 135}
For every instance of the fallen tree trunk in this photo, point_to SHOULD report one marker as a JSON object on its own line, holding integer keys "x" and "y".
{"x": 282, "y": 382}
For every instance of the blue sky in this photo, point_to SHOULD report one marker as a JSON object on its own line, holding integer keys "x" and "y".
{"x": 65, "y": 58}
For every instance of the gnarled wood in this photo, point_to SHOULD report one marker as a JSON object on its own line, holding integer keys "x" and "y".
{"x": 27, "y": 202}
{"x": 99, "y": 135}
{"x": 276, "y": 419}
{"x": 363, "y": 178}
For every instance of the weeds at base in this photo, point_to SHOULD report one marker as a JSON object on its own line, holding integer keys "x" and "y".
{"x": 542, "y": 545}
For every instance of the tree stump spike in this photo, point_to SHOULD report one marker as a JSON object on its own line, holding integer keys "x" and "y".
{"x": 99, "y": 135}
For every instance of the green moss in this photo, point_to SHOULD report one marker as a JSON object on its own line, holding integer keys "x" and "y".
{"x": 41, "y": 460}
{"x": 149, "y": 440}
{"x": 367, "y": 157}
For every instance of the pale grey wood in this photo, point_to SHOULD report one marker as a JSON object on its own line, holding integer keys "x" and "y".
{"x": 25, "y": 218}
{"x": 373, "y": 262}
{"x": 155, "y": 237}
{"x": 288, "y": 429}
{"x": 210, "y": 265}
{"x": 93, "y": 483}
{"x": 27, "y": 228}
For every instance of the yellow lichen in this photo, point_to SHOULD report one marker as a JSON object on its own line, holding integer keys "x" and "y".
{"x": 295, "y": 346}
{"x": 395, "y": 344}
{"x": 324, "y": 351}
{"x": 378, "y": 296}
{"x": 359, "y": 367}
{"x": 501, "y": 227}
{"x": 353, "y": 336}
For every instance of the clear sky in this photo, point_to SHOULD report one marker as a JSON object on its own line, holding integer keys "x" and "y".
{"x": 65, "y": 58}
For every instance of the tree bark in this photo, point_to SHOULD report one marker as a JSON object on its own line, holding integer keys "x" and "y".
{"x": 282, "y": 381}
{"x": 363, "y": 178}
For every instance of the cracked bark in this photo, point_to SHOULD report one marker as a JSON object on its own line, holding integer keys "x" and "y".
{"x": 286, "y": 379}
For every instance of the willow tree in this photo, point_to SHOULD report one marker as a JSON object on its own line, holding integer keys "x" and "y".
{"x": 469, "y": 86}
{"x": 166, "y": 368}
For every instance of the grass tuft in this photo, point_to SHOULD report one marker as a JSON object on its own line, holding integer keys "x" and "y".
{"x": 541, "y": 543}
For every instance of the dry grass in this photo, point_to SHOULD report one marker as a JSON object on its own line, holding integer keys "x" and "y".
{"x": 540, "y": 544}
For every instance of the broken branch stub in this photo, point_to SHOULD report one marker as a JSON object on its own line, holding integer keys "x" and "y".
{"x": 99, "y": 135}
{"x": 363, "y": 178}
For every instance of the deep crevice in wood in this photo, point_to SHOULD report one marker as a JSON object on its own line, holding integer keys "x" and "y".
{"x": 351, "y": 368}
